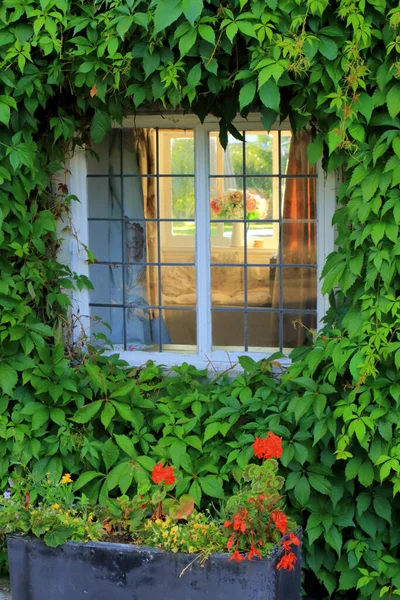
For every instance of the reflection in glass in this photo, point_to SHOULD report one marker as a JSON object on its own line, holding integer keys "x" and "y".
{"x": 178, "y": 284}
{"x": 108, "y": 321}
{"x": 259, "y": 148}
{"x": 177, "y": 198}
{"x": 227, "y": 162}
{"x": 171, "y": 252}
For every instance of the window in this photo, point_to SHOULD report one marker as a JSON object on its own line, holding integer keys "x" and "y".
{"x": 202, "y": 251}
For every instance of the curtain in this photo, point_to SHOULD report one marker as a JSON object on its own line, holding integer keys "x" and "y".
{"x": 299, "y": 285}
{"x": 140, "y": 202}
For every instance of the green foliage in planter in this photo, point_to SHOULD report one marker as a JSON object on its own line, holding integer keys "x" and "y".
{"x": 69, "y": 67}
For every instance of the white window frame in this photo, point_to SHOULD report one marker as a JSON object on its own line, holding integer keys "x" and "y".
{"x": 205, "y": 356}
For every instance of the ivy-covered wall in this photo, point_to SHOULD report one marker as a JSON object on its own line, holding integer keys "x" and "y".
{"x": 67, "y": 68}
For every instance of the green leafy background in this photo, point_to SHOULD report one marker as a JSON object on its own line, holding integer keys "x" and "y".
{"x": 70, "y": 67}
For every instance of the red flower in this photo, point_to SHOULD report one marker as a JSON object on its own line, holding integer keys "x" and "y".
{"x": 160, "y": 474}
{"x": 253, "y": 552}
{"x": 294, "y": 539}
{"x": 215, "y": 206}
{"x": 169, "y": 475}
{"x": 280, "y": 520}
{"x": 286, "y": 545}
{"x": 287, "y": 562}
{"x": 270, "y": 447}
{"x": 238, "y": 521}
{"x": 231, "y": 541}
{"x": 228, "y": 523}
{"x": 236, "y": 556}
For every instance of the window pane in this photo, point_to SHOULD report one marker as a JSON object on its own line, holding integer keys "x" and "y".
{"x": 295, "y": 330}
{"x": 141, "y": 241}
{"x": 139, "y": 151}
{"x": 140, "y": 197}
{"x": 299, "y": 287}
{"x": 107, "y": 282}
{"x": 181, "y": 327}
{"x": 108, "y": 159}
{"x": 263, "y": 331}
{"x": 226, "y": 202}
{"x": 113, "y": 317}
{"x": 178, "y": 285}
{"x": 228, "y": 330}
{"x": 177, "y": 198}
{"x": 173, "y": 249}
{"x": 104, "y": 198}
{"x": 227, "y": 162}
{"x": 227, "y": 286}
{"x": 299, "y": 242}
{"x": 105, "y": 240}
{"x": 176, "y": 151}
{"x": 259, "y": 152}
{"x": 259, "y": 287}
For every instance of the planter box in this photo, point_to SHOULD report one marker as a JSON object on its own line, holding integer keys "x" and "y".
{"x": 107, "y": 571}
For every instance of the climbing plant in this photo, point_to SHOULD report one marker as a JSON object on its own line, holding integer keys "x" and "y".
{"x": 70, "y": 67}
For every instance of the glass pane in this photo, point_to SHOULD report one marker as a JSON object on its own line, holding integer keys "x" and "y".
{"x": 262, "y": 195}
{"x": 176, "y": 151}
{"x": 263, "y": 331}
{"x": 171, "y": 251}
{"x": 228, "y": 330}
{"x": 259, "y": 153}
{"x": 286, "y": 138}
{"x": 108, "y": 160}
{"x": 226, "y": 202}
{"x": 296, "y": 330}
{"x": 177, "y": 198}
{"x": 101, "y": 316}
{"x": 139, "y": 151}
{"x": 140, "y": 197}
{"x": 104, "y": 197}
{"x": 178, "y": 285}
{"x": 299, "y": 242}
{"x": 299, "y": 287}
{"x": 142, "y": 328}
{"x": 141, "y": 286}
{"x": 227, "y": 286}
{"x": 299, "y": 198}
{"x": 181, "y": 327}
{"x": 262, "y": 241}
{"x": 227, "y": 162}
{"x": 227, "y": 256}
{"x": 105, "y": 240}
{"x": 259, "y": 286}
{"x": 107, "y": 282}
{"x": 136, "y": 247}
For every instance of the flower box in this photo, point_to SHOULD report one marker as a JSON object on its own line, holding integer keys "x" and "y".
{"x": 113, "y": 571}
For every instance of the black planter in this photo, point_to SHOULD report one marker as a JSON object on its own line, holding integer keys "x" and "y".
{"x": 106, "y": 571}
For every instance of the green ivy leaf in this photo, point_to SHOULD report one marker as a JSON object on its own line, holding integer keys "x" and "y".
{"x": 302, "y": 491}
{"x": 207, "y": 33}
{"x": 192, "y": 9}
{"x": 393, "y": 100}
{"x": 101, "y": 123}
{"x": 86, "y": 413}
{"x": 85, "y": 478}
{"x": 211, "y": 486}
{"x": 110, "y": 453}
{"x": 269, "y": 95}
{"x": 167, "y": 11}
{"x": 8, "y": 378}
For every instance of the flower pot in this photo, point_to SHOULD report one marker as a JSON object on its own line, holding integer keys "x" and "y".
{"x": 108, "y": 571}
{"x": 237, "y": 238}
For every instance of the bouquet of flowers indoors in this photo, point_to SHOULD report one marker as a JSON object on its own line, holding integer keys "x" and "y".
{"x": 230, "y": 205}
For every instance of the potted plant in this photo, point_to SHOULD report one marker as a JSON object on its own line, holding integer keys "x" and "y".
{"x": 154, "y": 545}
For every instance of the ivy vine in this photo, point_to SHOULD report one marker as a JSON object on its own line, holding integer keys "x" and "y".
{"x": 70, "y": 67}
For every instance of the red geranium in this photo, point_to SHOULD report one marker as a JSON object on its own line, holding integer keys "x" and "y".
{"x": 160, "y": 474}
{"x": 270, "y": 447}
{"x": 253, "y": 552}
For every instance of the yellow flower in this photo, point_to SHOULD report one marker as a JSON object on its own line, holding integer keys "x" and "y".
{"x": 55, "y": 506}
{"x": 158, "y": 522}
{"x": 66, "y": 522}
{"x": 165, "y": 534}
{"x": 174, "y": 530}
{"x": 165, "y": 525}
{"x": 66, "y": 478}
{"x": 174, "y": 549}
{"x": 90, "y": 518}
{"x": 76, "y": 520}
{"x": 191, "y": 550}
{"x": 196, "y": 526}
